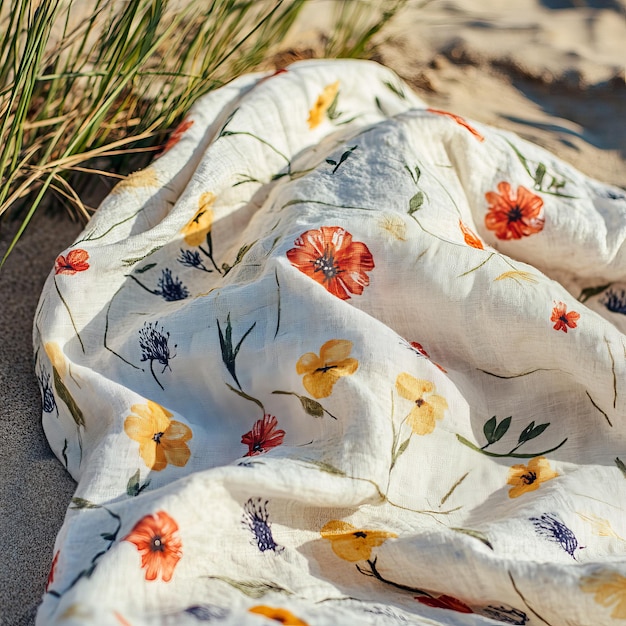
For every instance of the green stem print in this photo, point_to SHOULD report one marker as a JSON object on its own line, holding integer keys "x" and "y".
{"x": 245, "y": 396}
{"x": 543, "y": 181}
{"x": 209, "y": 253}
{"x": 67, "y": 308}
{"x": 109, "y": 537}
{"x": 311, "y": 407}
{"x": 134, "y": 486}
{"x": 373, "y": 572}
{"x": 240, "y": 256}
{"x": 229, "y": 354}
{"x": 494, "y": 431}
{"x": 342, "y": 159}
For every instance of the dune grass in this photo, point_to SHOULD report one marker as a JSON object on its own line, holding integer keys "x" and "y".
{"x": 80, "y": 96}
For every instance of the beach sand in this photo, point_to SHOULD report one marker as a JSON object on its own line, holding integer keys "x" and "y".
{"x": 550, "y": 70}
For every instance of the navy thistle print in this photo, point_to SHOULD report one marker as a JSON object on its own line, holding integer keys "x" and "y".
{"x": 505, "y": 614}
{"x": 615, "y": 301}
{"x": 155, "y": 346}
{"x": 256, "y": 519}
{"x": 47, "y": 395}
{"x": 553, "y": 529}
{"x": 170, "y": 287}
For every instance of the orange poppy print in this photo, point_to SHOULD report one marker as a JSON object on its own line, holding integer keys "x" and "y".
{"x": 75, "y": 261}
{"x": 459, "y": 120}
{"x": 562, "y": 319}
{"x": 177, "y": 134}
{"x": 330, "y": 257}
{"x": 513, "y": 215}
{"x": 156, "y": 537}
{"x": 278, "y": 614}
{"x": 470, "y": 238}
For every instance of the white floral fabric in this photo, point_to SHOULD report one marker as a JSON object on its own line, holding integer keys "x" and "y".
{"x": 336, "y": 357}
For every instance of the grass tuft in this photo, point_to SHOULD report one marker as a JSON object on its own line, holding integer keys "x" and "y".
{"x": 79, "y": 98}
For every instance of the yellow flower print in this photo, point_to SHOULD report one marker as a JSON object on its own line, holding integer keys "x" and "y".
{"x": 525, "y": 478}
{"x": 161, "y": 439}
{"x": 283, "y": 616}
{"x": 609, "y": 589}
{"x": 394, "y": 225}
{"x": 353, "y": 544}
{"x": 429, "y": 406}
{"x": 324, "y": 100}
{"x": 323, "y": 371}
{"x": 196, "y": 230}
{"x": 55, "y": 354}
{"x": 142, "y": 178}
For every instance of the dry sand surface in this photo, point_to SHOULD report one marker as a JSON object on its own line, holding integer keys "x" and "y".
{"x": 550, "y": 70}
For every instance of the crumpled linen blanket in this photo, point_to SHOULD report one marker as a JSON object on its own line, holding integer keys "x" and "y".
{"x": 335, "y": 358}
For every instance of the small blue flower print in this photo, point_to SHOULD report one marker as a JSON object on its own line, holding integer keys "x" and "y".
{"x": 191, "y": 258}
{"x": 550, "y": 527}
{"x": 154, "y": 344}
{"x": 170, "y": 287}
{"x": 207, "y": 612}
{"x": 47, "y": 395}
{"x": 256, "y": 519}
{"x": 615, "y": 301}
{"x": 505, "y": 614}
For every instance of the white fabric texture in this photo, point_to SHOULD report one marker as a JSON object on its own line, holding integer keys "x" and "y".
{"x": 338, "y": 358}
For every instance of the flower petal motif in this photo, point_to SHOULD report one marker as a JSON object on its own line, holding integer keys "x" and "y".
{"x": 525, "y": 478}
{"x": 513, "y": 216}
{"x": 330, "y": 257}
{"x": 143, "y": 178}
{"x": 470, "y": 238}
{"x": 278, "y": 614}
{"x": 177, "y": 134}
{"x": 459, "y": 120}
{"x": 75, "y": 261}
{"x": 322, "y": 104}
{"x": 563, "y": 320}
{"x": 53, "y": 567}
{"x": 198, "y": 227}
{"x": 609, "y": 588}
{"x": 429, "y": 406}
{"x": 55, "y": 354}
{"x": 394, "y": 225}
{"x": 264, "y": 436}
{"x": 157, "y": 539}
{"x": 445, "y": 602}
{"x": 162, "y": 441}
{"x": 351, "y": 543}
{"x": 323, "y": 371}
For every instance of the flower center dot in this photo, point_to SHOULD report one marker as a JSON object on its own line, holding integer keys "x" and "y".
{"x": 419, "y": 402}
{"x": 529, "y": 479}
{"x": 157, "y": 437}
{"x": 515, "y": 214}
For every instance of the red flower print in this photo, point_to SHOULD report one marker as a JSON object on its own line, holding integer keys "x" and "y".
{"x": 329, "y": 256}
{"x": 177, "y": 134}
{"x": 445, "y": 602}
{"x": 513, "y": 216}
{"x": 75, "y": 261}
{"x": 420, "y": 350}
{"x": 156, "y": 537}
{"x": 459, "y": 120}
{"x": 562, "y": 318}
{"x": 53, "y": 568}
{"x": 470, "y": 238}
{"x": 263, "y": 436}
